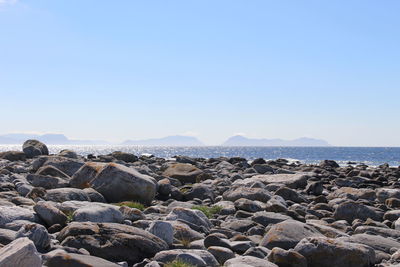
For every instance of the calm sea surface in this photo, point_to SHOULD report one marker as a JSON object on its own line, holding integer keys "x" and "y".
{"x": 369, "y": 155}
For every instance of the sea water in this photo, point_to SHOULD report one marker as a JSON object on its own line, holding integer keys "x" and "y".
{"x": 372, "y": 156}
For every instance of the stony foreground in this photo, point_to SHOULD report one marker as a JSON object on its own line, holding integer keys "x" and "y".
{"x": 123, "y": 210}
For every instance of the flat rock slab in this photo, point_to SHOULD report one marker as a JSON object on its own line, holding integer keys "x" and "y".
{"x": 249, "y": 261}
{"x": 9, "y": 214}
{"x": 287, "y": 234}
{"x": 374, "y": 241}
{"x": 385, "y": 232}
{"x": 335, "y": 253}
{"x": 66, "y": 194}
{"x": 73, "y": 259}
{"x": 112, "y": 241}
{"x": 298, "y": 180}
{"x": 266, "y": 218}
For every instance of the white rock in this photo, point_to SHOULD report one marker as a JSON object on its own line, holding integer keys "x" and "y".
{"x": 37, "y": 233}
{"x": 10, "y": 214}
{"x": 249, "y": 261}
{"x": 20, "y": 252}
{"x": 194, "y": 218}
{"x": 163, "y": 230}
{"x": 98, "y": 213}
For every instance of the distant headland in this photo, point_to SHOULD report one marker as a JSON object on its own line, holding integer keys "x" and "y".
{"x": 175, "y": 140}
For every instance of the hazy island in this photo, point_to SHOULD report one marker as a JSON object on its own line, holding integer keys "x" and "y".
{"x": 175, "y": 140}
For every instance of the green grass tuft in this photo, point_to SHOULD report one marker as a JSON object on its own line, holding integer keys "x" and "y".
{"x": 185, "y": 242}
{"x": 131, "y": 204}
{"x": 186, "y": 188}
{"x": 208, "y": 211}
{"x": 69, "y": 216}
{"x": 178, "y": 263}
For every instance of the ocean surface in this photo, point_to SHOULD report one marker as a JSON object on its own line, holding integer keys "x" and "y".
{"x": 371, "y": 156}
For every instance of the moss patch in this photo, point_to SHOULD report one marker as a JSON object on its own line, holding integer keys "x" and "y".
{"x": 131, "y": 204}
{"x": 178, "y": 263}
{"x": 208, "y": 211}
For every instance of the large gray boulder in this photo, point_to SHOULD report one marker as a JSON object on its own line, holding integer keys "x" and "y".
{"x": 7, "y": 236}
{"x": 37, "y": 233}
{"x": 391, "y": 215}
{"x": 200, "y": 191}
{"x": 227, "y": 207}
{"x": 85, "y": 174}
{"x": 94, "y": 195}
{"x": 20, "y": 252}
{"x": 322, "y": 251}
{"x": 119, "y": 183}
{"x": 287, "y": 258}
{"x": 374, "y": 241}
{"x": 266, "y": 218}
{"x": 47, "y": 182}
{"x": 33, "y": 148}
{"x": 49, "y": 213}
{"x": 351, "y": 210}
{"x": 326, "y": 230}
{"x": 68, "y": 154}
{"x": 329, "y": 164}
{"x": 384, "y": 193}
{"x": 52, "y": 171}
{"x": 287, "y": 234}
{"x": 290, "y": 194}
{"x": 13, "y": 155}
{"x": 163, "y": 230}
{"x": 183, "y": 232}
{"x": 249, "y": 205}
{"x": 112, "y": 241}
{"x": 250, "y": 193}
{"x": 131, "y": 214}
{"x": 66, "y": 165}
{"x": 353, "y": 193}
{"x": 221, "y": 254}
{"x": 184, "y": 172}
{"x": 374, "y": 230}
{"x": 124, "y": 156}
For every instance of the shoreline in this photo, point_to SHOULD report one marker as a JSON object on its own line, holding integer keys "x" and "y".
{"x": 123, "y": 210}
{"x": 372, "y": 156}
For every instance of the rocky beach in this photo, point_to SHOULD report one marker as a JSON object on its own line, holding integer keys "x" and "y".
{"x": 122, "y": 209}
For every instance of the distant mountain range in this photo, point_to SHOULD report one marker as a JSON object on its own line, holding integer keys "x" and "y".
{"x": 176, "y": 140}
{"x": 239, "y": 140}
{"x": 51, "y": 139}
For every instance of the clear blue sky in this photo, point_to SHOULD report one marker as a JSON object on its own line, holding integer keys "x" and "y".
{"x": 119, "y": 70}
